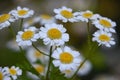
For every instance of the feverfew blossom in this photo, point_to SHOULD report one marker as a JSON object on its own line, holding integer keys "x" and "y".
{"x": 5, "y": 20}
{"x": 14, "y": 72}
{"x": 103, "y": 38}
{"x": 53, "y": 34}
{"x": 104, "y": 23}
{"x": 12, "y": 44}
{"x": 85, "y": 69}
{"x": 31, "y": 22}
{"x": 66, "y": 58}
{"x": 46, "y": 19}
{"x": 65, "y": 14}
{"x": 26, "y": 37}
{"x": 40, "y": 69}
{"x": 85, "y": 16}
{"x": 3, "y": 74}
{"x": 68, "y": 73}
{"x": 34, "y": 55}
{"x": 22, "y": 12}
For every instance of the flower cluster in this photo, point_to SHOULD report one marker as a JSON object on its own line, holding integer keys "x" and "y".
{"x": 11, "y": 73}
{"x": 56, "y": 54}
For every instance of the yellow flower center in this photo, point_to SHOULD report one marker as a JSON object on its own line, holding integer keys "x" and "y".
{"x": 45, "y": 16}
{"x": 22, "y": 12}
{"x": 66, "y": 58}
{"x": 37, "y": 54}
{"x": 27, "y": 35}
{"x": 105, "y": 23}
{"x": 54, "y": 33}
{"x": 1, "y": 76}
{"x": 66, "y": 14}
{"x": 39, "y": 68}
{"x": 104, "y": 37}
{"x": 30, "y": 21}
{"x": 87, "y": 15}
{"x": 4, "y": 17}
{"x": 12, "y": 71}
{"x": 68, "y": 71}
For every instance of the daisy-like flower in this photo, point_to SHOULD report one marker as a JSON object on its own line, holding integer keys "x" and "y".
{"x": 3, "y": 74}
{"x": 40, "y": 68}
{"x": 5, "y": 20}
{"x": 103, "y": 38}
{"x": 46, "y": 19}
{"x": 66, "y": 59}
{"x": 31, "y": 22}
{"x": 65, "y": 14}
{"x": 85, "y": 69}
{"x": 86, "y": 16}
{"x": 68, "y": 73}
{"x": 53, "y": 34}
{"x": 26, "y": 37}
{"x": 22, "y": 12}
{"x": 104, "y": 23}
{"x": 14, "y": 72}
{"x": 13, "y": 45}
{"x": 34, "y": 55}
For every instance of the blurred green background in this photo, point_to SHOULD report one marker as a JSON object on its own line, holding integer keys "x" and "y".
{"x": 106, "y": 61}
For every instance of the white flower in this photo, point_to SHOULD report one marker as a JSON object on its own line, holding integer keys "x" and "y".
{"x": 104, "y": 23}
{"x": 86, "y": 16}
{"x": 34, "y": 55}
{"x": 66, "y": 59}
{"x": 31, "y": 22}
{"x": 85, "y": 69}
{"x": 65, "y": 14}
{"x": 46, "y": 19}
{"x": 26, "y": 37}
{"x": 3, "y": 74}
{"x": 40, "y": 68}
{"x": 13, "y": 45}
{"x": 68, "y": 73}
{"x": 14, "y": 72}
{"x": 53, "y": 34}
{"x": 103, "y": 38}
{"x": 22, "y": 12}
{"x": 5, "y": 20}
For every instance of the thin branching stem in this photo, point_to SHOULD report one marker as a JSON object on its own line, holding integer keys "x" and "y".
{"x": 89, "y": 51}
{"x": 12, "y": 31}
{"x": 21, "y": 24}
{"x": 50, "y": 60}
{"x": 39, "y": 50}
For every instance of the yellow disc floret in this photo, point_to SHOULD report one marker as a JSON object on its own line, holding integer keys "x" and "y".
{"x": 27, "y": 35}
{"x": 87, "y": 15}
{"x": 39, "y": 68}
{"x": 66, "y": 58}
{"x": 54, "y": 33}
{"x": 45, "y": 16}
{"x": 37, "y": 54}
{"x": 105, "y": 23}
{"x": 12, "y": 71}
{"x": 1, "y": 76}
{"x": 66, "y": 14}
{"x": 104, "y": 38}
{"x": 4, "y": 17}
{"x": 22, "y": 12}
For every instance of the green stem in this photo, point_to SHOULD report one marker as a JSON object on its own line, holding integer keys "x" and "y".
{"x": 89, "y": 41}
{"x": 21, "y": 24}
{"x": 89, "y": 51}
{"x": 50, "y": 60}
{"x": 72, "y": 78}
{"x": 12, "y": 31}
{"x": 39, "y": 50}
{"x": 26, "y": 60}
